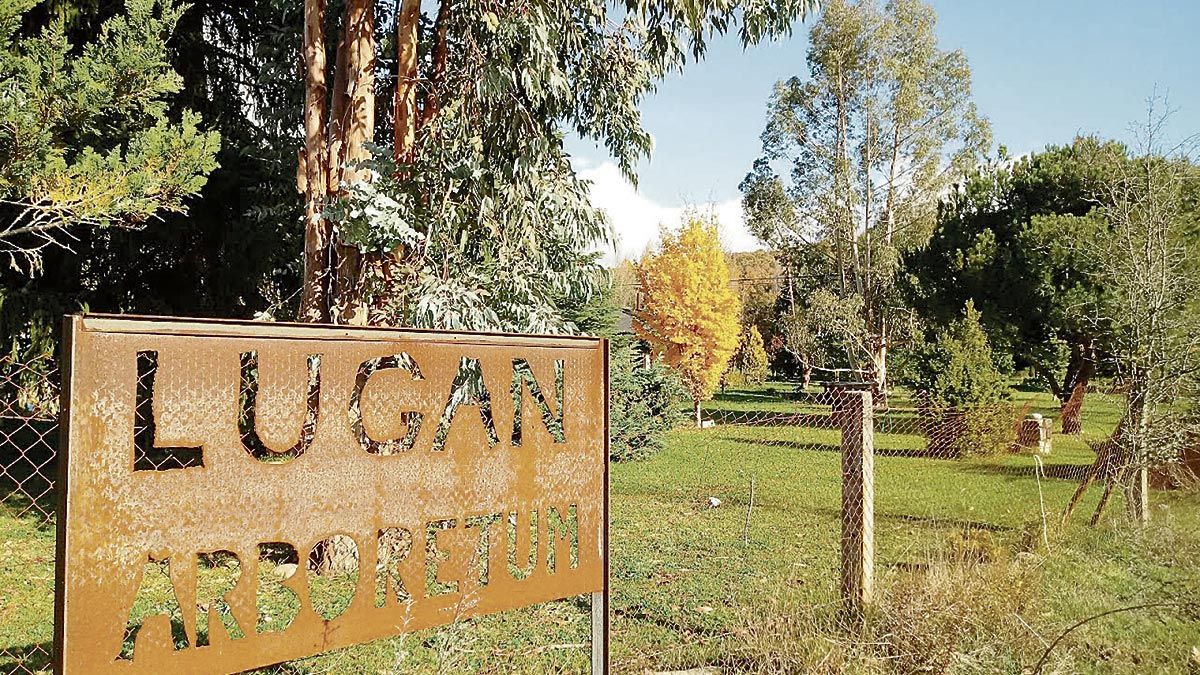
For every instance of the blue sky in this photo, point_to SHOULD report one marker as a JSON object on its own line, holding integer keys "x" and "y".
{"x": 1042, "y": 72}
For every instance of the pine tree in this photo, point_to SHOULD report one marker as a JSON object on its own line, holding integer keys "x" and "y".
{"x": 87, "y": 140}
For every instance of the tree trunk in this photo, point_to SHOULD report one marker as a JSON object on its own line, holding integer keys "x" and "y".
{"x": 1072, "y": 410}
{"x": 313, "y": 171}
{"x": 696, "y": 410}
{"x": 1136, "y": 457}
{"x": 879, "y": 371}
{"x": 1080, "y": 368}
{"x": 405, "y": 117}
{"x": 441, "y": 26}
{"x": 353, "y": 128}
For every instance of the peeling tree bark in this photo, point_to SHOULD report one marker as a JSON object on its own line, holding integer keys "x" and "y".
{"x": 337, "y": 126}
{"x": 314, "y": 303}
{"x": 356, "y": 128}
{"x": 1079, "y": 372}
{"x": 405, "y": 118}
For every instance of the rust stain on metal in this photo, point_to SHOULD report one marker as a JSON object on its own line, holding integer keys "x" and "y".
{"x": 442, "y": 457}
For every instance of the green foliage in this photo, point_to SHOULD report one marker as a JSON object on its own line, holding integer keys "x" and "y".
{"x": 494, "y": 244}
{"x": 495, "y": 224}
{"x": 643, "y": 404}
{"x": 236, "y": 251}
{"x": 1011, "y": 238}
{"x": 855, "y": 155}
{"x": 751, "y": 357}
{"x": 987, "y": 429}
{"x": 644, "y": 401}
{"x": 87, "y": 138}
{"x": 957, "y": 370}
{"x": 827, "y": 331}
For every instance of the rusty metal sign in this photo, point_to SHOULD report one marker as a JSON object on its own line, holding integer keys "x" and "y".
{"x": 237, "y": 494}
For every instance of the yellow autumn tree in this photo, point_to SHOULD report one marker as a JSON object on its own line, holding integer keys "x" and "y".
{"x": 688, "y": 313}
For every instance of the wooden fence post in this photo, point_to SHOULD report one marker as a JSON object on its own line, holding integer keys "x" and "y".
{"x": 1139, "y": 495}
{"x": 853, "y": 410}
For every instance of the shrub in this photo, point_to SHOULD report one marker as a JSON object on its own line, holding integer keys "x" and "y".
{"x": 957, "y": 369}
{"x": 643, "y": 404}
{"x": 751, "y": 360}
{"x": 961, "y": 389}
{"x": 987, "y": 429}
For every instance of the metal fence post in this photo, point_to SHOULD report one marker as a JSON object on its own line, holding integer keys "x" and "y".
{"x": 853, "y": 409}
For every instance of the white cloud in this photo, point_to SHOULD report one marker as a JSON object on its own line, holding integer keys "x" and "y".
{"x": 637, "y": 219}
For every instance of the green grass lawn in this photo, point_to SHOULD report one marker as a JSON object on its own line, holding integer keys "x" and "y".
{"x": 966, "y": 580}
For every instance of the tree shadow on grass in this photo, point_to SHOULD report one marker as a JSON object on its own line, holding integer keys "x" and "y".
{"x": 810, "y": 446}
{"x": 28, "y": 467}
{"x": 743, "y": 418}
{"x": 678, "y": 627}
{"x": 30, "y": 658}
{"x": 766, "y": 395}
{"x": 931, "y": 522}
{"x": 941, "y": 522}
{"x": 1072, "y": 472}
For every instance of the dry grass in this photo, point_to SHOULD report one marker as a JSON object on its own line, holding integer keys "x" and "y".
{"x": 960, "y": 611}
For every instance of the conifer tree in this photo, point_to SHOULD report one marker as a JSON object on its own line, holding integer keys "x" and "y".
{"x": 86, "y": 139}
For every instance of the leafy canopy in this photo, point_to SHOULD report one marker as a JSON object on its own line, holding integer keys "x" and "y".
{"x": 87, "y": 139}
{"x": 1010, "y": 238}
{"x": 957, "y": 369}
{"x": 488, "y": 221}
{"x": 690, "y": 316}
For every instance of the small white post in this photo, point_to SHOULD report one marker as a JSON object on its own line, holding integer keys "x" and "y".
{"x": 600, "y": 633}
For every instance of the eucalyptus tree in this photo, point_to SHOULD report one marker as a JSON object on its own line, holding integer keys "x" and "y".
{"x": 469, "y": 214}
{"x": 855, "y": 156}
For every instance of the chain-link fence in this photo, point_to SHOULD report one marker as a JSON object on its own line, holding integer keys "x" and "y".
{"x": 28, "y": 454}
{"x": 945, "y": 482}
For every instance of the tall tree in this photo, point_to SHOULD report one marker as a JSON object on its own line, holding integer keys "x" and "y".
{"x": 475, "y": 218}
{"x": 690, "y": 316}
{"x": 1149, "y": 322}
{"x": 867, "y": 141}
{"x": 1007, "y": 238}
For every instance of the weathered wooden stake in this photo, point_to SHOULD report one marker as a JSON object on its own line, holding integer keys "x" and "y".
{"x": 1139, "y": 495}
{"x": 853, "y": 411}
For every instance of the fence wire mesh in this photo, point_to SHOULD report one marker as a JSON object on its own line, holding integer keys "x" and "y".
{"x": 28, "y": 452}
{"x": 946, "y": 483}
